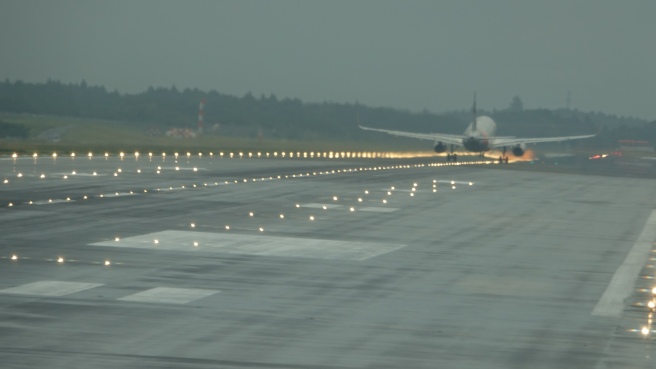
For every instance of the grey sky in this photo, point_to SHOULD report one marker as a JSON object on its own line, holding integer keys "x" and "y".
{"x": 401, "y": 54}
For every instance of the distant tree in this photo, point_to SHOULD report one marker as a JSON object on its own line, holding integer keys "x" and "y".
{"x": 516, "y": 104}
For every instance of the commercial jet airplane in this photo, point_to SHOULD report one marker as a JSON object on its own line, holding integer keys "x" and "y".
{"x": 479, "y": 137}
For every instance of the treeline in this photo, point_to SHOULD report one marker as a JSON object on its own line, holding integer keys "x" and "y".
{"x": 158, "y": 109}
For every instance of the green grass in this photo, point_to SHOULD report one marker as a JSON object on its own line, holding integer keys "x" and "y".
{"x": 84, "y": 135}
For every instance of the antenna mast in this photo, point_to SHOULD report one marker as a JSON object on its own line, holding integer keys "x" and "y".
{"x": 201, "y": 113}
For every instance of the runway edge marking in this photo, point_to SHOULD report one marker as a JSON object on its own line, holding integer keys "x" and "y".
{"x": 621, "y": 286}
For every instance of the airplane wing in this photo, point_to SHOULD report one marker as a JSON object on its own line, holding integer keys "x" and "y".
{"x": 442, "y": 137}
{"x": 511, "y": 141}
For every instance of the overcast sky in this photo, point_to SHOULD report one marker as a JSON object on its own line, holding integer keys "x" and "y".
{"x": 403, "y": 54}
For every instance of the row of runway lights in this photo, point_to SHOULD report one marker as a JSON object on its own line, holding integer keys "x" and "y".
{"x": 250, "y": 154}
{"x": 648, "y": 329}
{"x": 389, "y": 192}
{"x": 195, "y": 169}
{"x": 177, "y": 168}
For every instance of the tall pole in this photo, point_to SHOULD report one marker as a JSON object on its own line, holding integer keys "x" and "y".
{"x": 201, "y": 113}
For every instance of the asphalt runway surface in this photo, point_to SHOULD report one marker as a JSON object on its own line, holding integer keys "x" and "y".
{"x": 210, "y": 262}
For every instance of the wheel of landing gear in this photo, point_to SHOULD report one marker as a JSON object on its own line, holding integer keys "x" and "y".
{"x": 455, "y": 157}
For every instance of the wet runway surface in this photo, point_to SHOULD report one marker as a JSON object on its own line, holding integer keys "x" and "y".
{"x": 300, "y": 263}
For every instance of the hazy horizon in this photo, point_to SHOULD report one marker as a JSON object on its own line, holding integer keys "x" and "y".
{"x": 405, "y": 55}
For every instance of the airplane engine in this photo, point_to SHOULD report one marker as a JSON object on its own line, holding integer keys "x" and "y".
{"x": 440, "y": 147}
{"x": 519, "y": 150}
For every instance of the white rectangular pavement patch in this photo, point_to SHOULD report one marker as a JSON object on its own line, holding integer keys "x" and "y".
{"x": 378, "y": 210}
{"x": 623, "y": 282}
{"x": 321, "y": 206}
{"x": 50, "y": 288}
{"x": 166, "y": 295}
{"x": 254, "y": 245}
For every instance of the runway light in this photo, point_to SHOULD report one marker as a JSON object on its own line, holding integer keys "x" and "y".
{"x": 282, "y": 216}
{"x": 250, "y": 214}
{"x": 471, "y": 183}
{"x": 651, "y": 305}
{"x": 359, "y": 199}
{"x": 156, "y": 241}
{"x": 366, "y": 192}
{"x": 324, "y": 207}
{"x": 334, "y": 198}
{"x": 352, "y": 208}
{"x": 412, "y": 193}
{"x": 311, "y": 217}
{"x": 298, "y": 205}
{"x": 14, "y": 257}
{"x": 60, "y": 260}
{"x": 107, "y": 263}
{"x": 227, "y": 228}
{"x": 644, "y": 331}
{"x": 653, "y": 290}
{"x": 19, "y": 175}
{"x": 389, "y": 193}
{"x": 193, "y": 225}
{"x": 117, "y": 239}
{"x": 384, "y": 201}
{"x": 195, "y": 243}
{"x": 261, "y": 229}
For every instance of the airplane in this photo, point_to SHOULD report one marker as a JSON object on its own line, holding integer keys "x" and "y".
{"x": 479, "y": 137}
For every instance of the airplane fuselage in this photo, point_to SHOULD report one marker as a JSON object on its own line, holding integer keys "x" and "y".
{"x": 478, "y": 140}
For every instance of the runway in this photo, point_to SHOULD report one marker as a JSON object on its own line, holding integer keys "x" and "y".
{"x": 206, "y": 262}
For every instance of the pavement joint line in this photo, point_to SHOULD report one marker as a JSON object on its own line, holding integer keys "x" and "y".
{"x": 622, "y": 284}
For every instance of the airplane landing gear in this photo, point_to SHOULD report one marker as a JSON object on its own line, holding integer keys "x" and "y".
{"x": 451, "y": 157}
{"x": 503, "y": 158}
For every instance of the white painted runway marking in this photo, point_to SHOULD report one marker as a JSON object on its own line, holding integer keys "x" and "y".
{"x": 621, "y": 286}
{"x": 166, "y": 295}
{"x": 50, "y": 288}
{"x": 320, "y": 206}
{"x": 254, "y": 245}
{"x": 379, "y": 210}
{"x": 48, "y": 202}
{"x": 71, "y": 175}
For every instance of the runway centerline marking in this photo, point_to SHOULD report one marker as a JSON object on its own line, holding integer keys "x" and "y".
{"x": 192, "y": 241}
{"x": 622, "y": 284}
